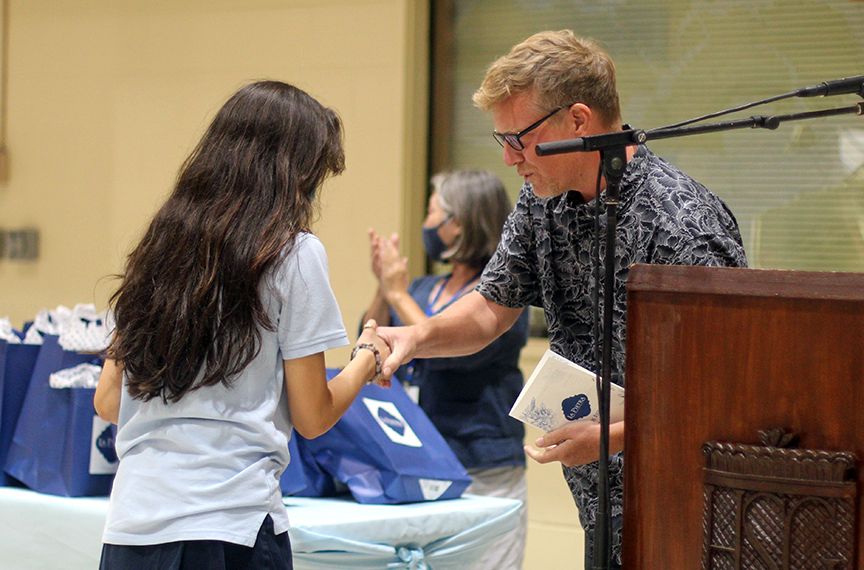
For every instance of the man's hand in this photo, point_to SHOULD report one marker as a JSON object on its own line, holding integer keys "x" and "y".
{"x": 465, "y": 327}
{"x": 576, "y": 443}
{"x": 403, "y": 345}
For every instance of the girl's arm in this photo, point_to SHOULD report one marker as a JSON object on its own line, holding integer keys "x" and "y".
{"x": 316, "y": 404}
{"x": 107, "y": 398}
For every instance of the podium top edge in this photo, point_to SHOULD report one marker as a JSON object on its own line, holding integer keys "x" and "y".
{"x": 730, "y": 281}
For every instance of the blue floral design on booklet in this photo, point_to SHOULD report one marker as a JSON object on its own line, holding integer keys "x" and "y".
{"x": 538, "y": 416}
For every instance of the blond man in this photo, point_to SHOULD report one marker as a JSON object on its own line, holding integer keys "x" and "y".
{"x": 555, "y": 86}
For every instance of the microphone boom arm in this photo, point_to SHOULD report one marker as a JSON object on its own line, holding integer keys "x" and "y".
{"x": 756, "y": 122}
{"x": 638, "y": 136}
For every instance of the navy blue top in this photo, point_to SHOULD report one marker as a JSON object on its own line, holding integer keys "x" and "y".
{"x": 468, "y": 398}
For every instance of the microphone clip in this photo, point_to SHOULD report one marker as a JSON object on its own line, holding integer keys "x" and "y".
{"x": 845, "y": 86}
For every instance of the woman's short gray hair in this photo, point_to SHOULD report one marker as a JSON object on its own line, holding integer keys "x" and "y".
{"x": 477, "y": 200}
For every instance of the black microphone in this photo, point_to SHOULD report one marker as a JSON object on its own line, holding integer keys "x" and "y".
{"x": 843, "y": 86}
{"x": 591, "y": 143}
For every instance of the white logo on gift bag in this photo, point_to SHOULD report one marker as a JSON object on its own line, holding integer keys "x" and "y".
{"x": 392, "y": 422}
{"x": 433, "y": 488}
{"x": 103, "y": 457}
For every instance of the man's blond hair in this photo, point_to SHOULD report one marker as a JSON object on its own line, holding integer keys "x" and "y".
{"x": 560, "y": 69}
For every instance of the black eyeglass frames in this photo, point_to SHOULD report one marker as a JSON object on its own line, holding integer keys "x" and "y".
{"x": 514, "y": 140}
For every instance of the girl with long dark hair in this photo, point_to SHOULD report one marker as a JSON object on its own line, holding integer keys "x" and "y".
{"x": 223, "y": 315}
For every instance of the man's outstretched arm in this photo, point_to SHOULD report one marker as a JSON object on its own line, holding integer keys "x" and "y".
{"x": 464, "y": 327}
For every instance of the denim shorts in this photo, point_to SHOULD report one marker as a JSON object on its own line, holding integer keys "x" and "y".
{"x": 270, "y": 552}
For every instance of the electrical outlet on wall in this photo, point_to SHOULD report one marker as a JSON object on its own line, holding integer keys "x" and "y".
{"x": 21, "y": 244}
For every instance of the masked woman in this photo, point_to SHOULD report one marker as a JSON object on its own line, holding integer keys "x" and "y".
{"x": 467, "y": 398}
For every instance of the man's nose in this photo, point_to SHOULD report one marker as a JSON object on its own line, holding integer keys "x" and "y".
{"x": 512, "y": 157}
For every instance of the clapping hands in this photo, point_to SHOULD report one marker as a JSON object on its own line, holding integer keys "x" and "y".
{"x": 391, "y": 271}
{"x": 388, "y": 265}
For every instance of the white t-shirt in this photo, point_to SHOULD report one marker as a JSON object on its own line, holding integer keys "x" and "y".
{"x": 208, "y": 466}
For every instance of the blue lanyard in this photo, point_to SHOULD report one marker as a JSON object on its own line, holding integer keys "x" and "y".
{"x": 459, "y": 293}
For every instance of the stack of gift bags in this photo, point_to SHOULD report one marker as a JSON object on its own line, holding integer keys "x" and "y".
{"x": 51, "y": 439}
{"x": 384, "y": 450}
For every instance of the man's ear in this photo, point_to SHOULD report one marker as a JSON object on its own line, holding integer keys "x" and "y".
{"x": 580, "y": 116}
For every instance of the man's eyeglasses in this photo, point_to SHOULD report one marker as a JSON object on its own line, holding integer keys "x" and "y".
{"x": 514, "y": 140}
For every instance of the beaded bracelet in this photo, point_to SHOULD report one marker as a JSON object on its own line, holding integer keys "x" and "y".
{"x": 378, "y": 363}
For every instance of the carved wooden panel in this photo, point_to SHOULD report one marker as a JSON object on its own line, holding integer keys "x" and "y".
{"x": 768, "y": 508}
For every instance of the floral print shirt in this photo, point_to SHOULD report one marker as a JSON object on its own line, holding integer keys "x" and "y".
{"x": 545, "y": 259}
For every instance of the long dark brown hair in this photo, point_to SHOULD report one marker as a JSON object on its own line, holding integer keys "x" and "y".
{"x": 189, "y": 300}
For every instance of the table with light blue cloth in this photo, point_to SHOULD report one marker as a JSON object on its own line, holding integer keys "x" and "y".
{"x": 43, "y": 532}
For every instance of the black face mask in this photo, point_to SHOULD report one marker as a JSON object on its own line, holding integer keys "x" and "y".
{"x": 435, "y": 246}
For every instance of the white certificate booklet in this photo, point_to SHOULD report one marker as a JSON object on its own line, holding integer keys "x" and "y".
{"x": 560, "y": 391}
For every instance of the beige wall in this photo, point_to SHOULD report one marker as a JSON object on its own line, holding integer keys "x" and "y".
{"x": 106, "y": 98}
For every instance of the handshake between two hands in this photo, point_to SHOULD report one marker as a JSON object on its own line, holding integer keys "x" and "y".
{"x": 378, "y": 345}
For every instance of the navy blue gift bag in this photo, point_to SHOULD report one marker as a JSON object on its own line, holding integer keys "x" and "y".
{"x": 387, "y": 451}
{"x": 303, "y": 477}
{"x": 16, "y": 367}
{"x": 60, "y": 446}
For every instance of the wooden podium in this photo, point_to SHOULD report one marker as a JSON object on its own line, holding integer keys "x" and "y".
{"x": 715, "y": 355}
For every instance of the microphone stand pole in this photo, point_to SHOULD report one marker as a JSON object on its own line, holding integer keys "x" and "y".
{"x": 613, "y": 162}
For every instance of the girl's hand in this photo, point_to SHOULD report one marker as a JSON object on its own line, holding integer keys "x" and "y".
{"x": 370, "y": 336}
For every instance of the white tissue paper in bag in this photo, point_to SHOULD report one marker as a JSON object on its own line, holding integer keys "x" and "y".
{"x": 80, "y": 329}
{"x": 6, "y": 332}
{"x": 82, "y": 376}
